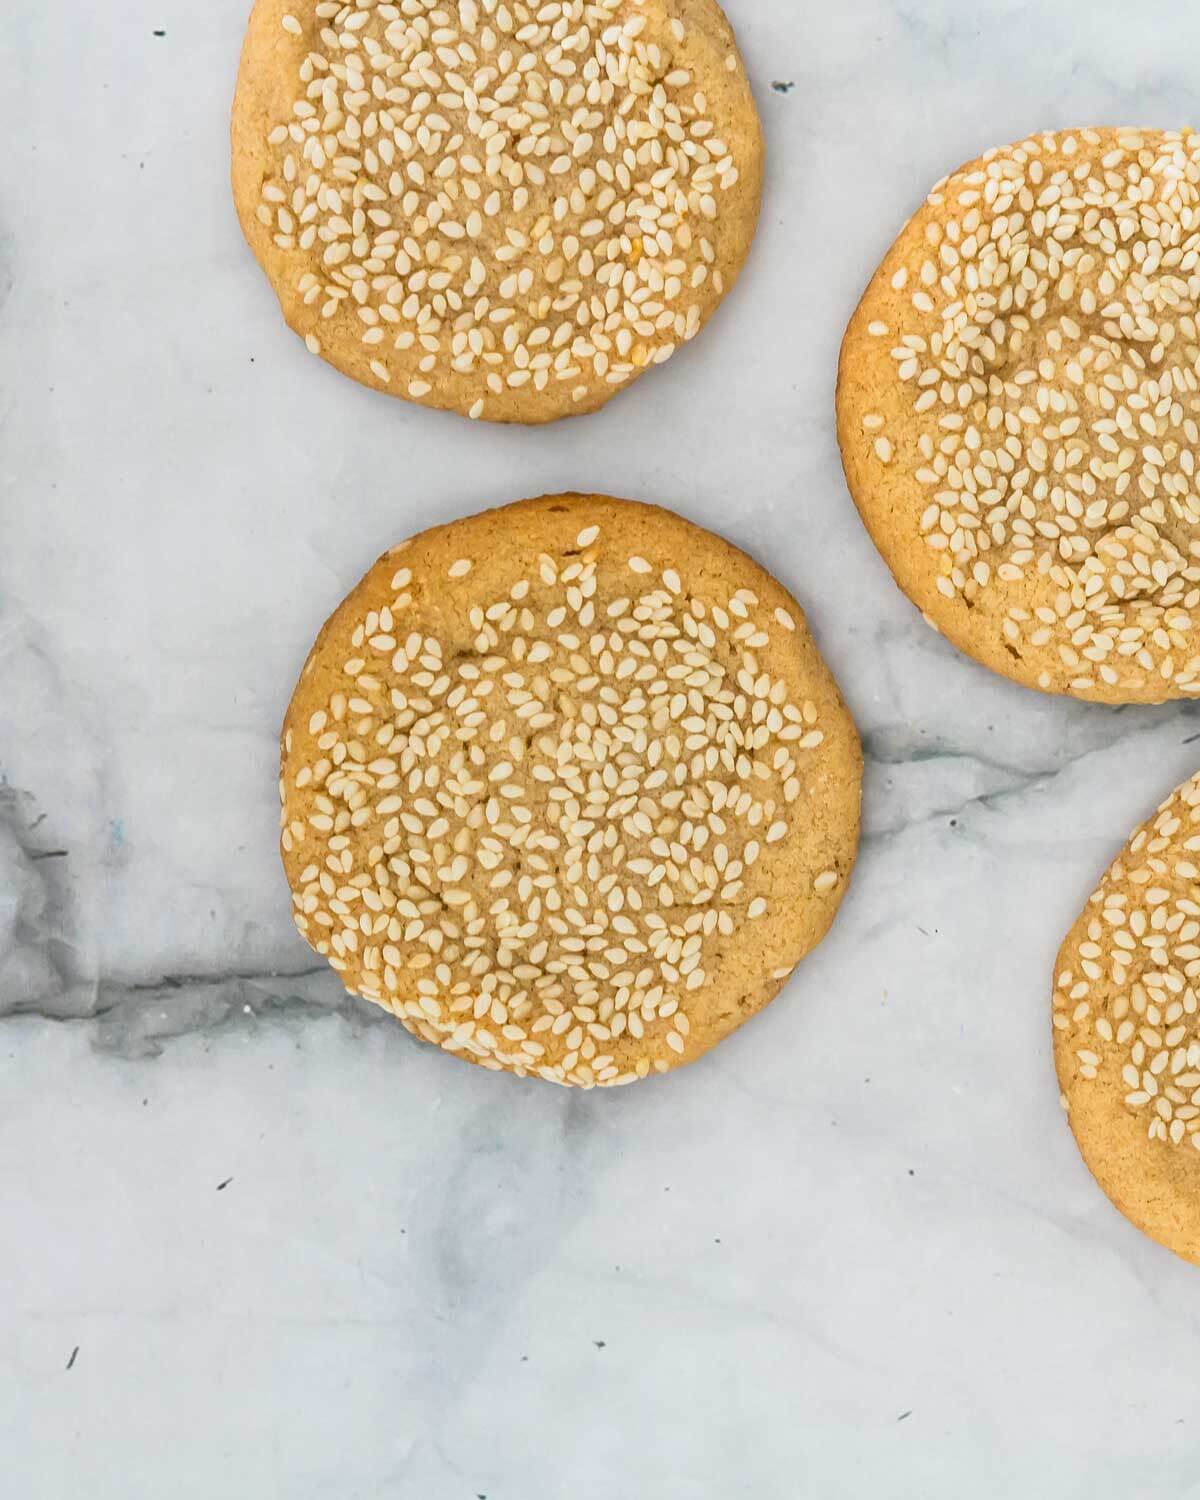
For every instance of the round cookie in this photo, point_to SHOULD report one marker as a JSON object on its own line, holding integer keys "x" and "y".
{"x": 568, "y": 789}
{"x": 1127, "y": 1027}
{"x": 498, "y": 207}
{"x": 1017, "y": 407}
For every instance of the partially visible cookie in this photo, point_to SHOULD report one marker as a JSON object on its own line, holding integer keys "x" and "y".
{"x": 1127, "y": 1029}
{"x": 568, "y": 789}
{"x": 507, "y": 209}
{"x": 1019, "y": 412}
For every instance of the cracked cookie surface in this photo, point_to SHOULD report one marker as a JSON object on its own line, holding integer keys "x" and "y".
{"x": 1019, "y": 412}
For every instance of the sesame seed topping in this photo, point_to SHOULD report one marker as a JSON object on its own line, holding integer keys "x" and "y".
{"x": 1125, "y": 990}
{"x": 507, "y": 196}
{"x": 532, "y": 832}
{"x": 1048, "y": 367}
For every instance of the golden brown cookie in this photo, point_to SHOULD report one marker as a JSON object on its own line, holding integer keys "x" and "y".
{"x": 504, "y": 208}
{"x": 1126, "y": 1029}
{"x": 568, "y": 789}
{"x": 1018, "y": 406}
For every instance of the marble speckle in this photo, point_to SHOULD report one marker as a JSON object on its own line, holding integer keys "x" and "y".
{"x": 258, "y": 1241}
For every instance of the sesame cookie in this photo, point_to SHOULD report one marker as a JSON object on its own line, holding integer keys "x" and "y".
{"x": 499, "y": 207}
{"x": 568, "y": 789}
{"x": 1018, "y": 405}
{"x": 1127, "y": 1030}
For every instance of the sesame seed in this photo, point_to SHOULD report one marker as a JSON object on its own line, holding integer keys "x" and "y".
{"x": 461, "y": 568}
{"x": 587, "y": 536}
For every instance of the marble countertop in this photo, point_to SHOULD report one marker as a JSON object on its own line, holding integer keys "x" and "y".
{"x": 256, "y": 1241}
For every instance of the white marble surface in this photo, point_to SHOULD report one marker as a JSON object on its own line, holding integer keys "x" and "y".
{"x": 852, "y": 1253}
